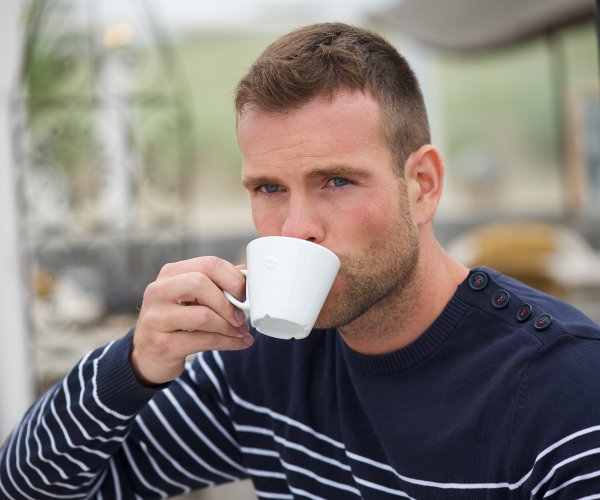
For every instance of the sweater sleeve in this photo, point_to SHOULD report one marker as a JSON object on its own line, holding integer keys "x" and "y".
{"x": 62, "y": 446}
{"x": 100, "y": 434}
{"x": 556, "y": 438}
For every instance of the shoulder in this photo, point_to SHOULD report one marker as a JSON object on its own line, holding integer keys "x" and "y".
{"x": 556, "y": 418}
{"x": 555, "y": 393}
{"x": 544, "y": 317}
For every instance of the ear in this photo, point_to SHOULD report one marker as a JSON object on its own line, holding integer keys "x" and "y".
{"x": 424, "y": 175}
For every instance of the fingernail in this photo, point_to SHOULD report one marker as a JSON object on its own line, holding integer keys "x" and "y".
{"x": 248, "y": 339}
{"x": 244, "y": 328}
{"x": 239, "y": 316}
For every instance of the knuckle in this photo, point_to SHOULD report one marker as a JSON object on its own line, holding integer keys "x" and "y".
{"x": 166, "y": 270}
{"x": 151, "y": 291}
{"x": 203, "y": 315}
{"x": 211, "y": 263}
{"x": 225, "y": 307}
{"x": 150, "y": 319}
{"x": 198, "y": 280}
{"x": 162, "y": 343}
{"x": 212, "y": 341}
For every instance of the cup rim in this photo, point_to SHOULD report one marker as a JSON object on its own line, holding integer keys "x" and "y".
{"x": 298, "y": 240}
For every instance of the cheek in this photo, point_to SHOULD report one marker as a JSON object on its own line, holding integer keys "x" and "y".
{"x": 364, "y": 223}
{"x": 266, "y": 219}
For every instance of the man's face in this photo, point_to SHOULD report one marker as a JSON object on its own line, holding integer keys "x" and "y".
{"x": 323, "y": 173}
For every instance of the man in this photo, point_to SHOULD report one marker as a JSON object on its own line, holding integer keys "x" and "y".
{"x": 422, "y": 380}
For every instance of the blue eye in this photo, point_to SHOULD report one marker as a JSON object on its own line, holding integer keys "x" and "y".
{"x": 340, "y": 182}
{"x": 270, "y": 188}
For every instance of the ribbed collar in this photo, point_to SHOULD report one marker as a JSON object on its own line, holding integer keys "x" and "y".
{"x": 429, "y": 341}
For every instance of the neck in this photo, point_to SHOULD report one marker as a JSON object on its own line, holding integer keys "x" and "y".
{"x": 402, "y": 316}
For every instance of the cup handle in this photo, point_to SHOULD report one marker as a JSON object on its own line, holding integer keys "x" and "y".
{"x": 244, "y": 306}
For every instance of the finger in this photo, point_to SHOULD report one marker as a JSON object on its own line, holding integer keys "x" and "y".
{"x": 200, "y": 341}
{"x": 191, "y": 288}
{"x": 162, "y": 358}
{"x": 174, "y": 318}
{"x": 224, "y": 274}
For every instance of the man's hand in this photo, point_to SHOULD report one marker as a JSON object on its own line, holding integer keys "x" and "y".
{"x": 185, "y": 312}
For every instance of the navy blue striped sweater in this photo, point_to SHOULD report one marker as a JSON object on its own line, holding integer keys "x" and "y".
{"x": 483, "y": 405}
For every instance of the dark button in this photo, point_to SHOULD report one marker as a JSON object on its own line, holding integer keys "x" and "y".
{"x": 542, "y": 322}
{"x": 500, "y": 299}
{"x": 524, "y": 312}
{"x": 478, "y": 280}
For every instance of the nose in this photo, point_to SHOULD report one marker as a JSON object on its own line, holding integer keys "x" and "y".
{"x": 303, "y": 221}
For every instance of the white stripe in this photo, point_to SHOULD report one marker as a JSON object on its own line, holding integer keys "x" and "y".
{"x": 268, "y": 473}
{"x": 219, "y": 361}
{"x": 576, "y": 479}
{"x": 282, "y": 496}
{"x": 259, "y": 451}
{"x": 82, "y": 384}
{"x": 559, "y": 465}
{"x": 283, "y": 418}
{"x": 7, "y": 461}
{"x": 320, "y": 479}
{"x": 292, "y": 445}
{"x": 312, "y": 454}
{"x": 200, "y": 434}
{"x": 209, "y": 374}
{"x": 466, "y": 486}
{"x": 164, "y": 453}
{"x": 185, "y": 489}
{"x": 17, "y": 438}
{"x": 306, "y": 494}
{"x": 83, "y": 466}
{"x": 68, "y": 437}
{"x": 139, "y": 474}
{"x": 38, "y": 470}
{"x": 590, "y": 497}
{"x": 115, "y": 476}
{"x": 95, "y": 387}
{"x": 469, "y": 486}
{"x": 273, "y": 414}
{"x": 61, "y": 472}
{"x": 253, "y": 428}
{"x": 207, "y": 412}
{"x": 10, "y": 497}
{"x": 378, "y": 487}
{"x": 2, "y": 453}
{"x": 214, "y": 381}
{"x": 564, "y": 440}
{"x": 98, "y": 485}
{"x": 78, "y": 423}
{"x": 171, "y": 432}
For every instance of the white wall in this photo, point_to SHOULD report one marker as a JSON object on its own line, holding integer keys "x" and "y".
{"x": 16, "y": 380}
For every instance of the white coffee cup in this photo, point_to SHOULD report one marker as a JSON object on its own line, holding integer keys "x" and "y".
{"x": 288, "y": 280}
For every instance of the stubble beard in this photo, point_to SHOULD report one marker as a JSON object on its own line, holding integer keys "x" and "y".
{"x": 377, "y": 277}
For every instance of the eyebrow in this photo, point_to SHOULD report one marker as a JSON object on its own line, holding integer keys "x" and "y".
{"x": 333, "y": 171}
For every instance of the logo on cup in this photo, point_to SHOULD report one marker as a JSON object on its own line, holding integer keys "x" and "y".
{"x": 270, "y": 261}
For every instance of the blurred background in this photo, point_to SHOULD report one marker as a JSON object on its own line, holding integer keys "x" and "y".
{"x": 118, "y": 152}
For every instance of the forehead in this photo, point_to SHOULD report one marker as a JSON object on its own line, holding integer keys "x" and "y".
{"x": 336, "y": 130}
